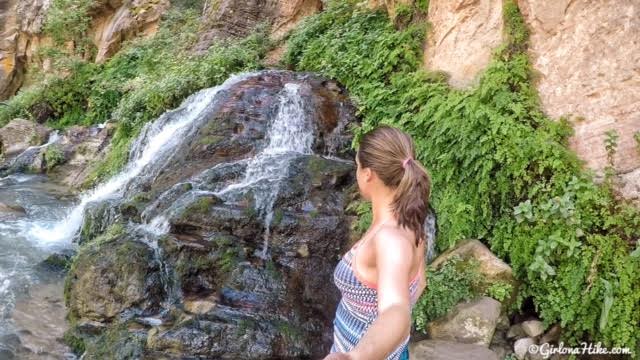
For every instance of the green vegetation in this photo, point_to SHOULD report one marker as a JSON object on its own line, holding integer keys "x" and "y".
{"x": 53, "y": 156}
{"x": 69, "y": 20}
{"x": 147, "y": 77}
{"x": 501, "y": 170}
{"x": 453, "y": 282}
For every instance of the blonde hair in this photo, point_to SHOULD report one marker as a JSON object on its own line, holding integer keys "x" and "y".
{"x": 384, "y": 150}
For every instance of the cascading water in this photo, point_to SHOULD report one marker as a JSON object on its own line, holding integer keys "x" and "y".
{"x": 153, "y": 146}
{"x": 37, "y": 203}
{"x": 290, "y": 134}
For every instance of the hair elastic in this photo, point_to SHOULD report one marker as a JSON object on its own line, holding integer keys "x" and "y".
{"x": 404, "y": 163}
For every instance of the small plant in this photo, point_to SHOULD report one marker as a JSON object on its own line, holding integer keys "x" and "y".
{"x": 53, "y": 157}
{"x": 610, "y": 144}
{"x": 499, "y": 290}
{"x": 456, "y": 280}
{"x": 636, "y": 137}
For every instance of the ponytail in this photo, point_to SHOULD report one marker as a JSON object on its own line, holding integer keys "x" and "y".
{"x": 410, "y": 203}
{"x": 390, "y": 153}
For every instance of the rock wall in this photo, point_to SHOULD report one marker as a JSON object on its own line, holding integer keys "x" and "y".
{"x": 21, "y": 33}
{"x": 117, "y": 20}
{"x": 462, "y": 35}
{"x": 390, "y": 5}
{"x": 587, "y": 54}
{"x": 114, "y": 21}
{"x": 228, "y": 18}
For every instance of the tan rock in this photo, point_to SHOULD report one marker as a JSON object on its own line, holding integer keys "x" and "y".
{"x": 462, "y": 36}
{"x": 521, "y": 347}
{"x": 449, "y": 350}
{"x": 587, "y": 54}
{"x": 84, "y": 146}
{"x": 116, "y": 21}
{"x": 200, "y": 305}
{"x": 21, "y": 33}
{"x": 470, "y": 322}
{"x": 228, "y": 18}
{"x": 491, "y": 266}
{"x": 19, "y": 134}
{"x": 289, "y": 14}
{"x": 11, "y": 209}
{"x": 532, "y": 328}
{"x": 390, "y": 5}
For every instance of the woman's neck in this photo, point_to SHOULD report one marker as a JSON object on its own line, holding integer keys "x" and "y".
{"x": 381, "y": 207}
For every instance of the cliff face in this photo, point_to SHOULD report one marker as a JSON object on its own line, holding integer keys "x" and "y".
{"x": 587, "y": 59}
{"x": 228, "y": 18}
{"x": 21, "y": 33}
{"x": 114, "y": 21}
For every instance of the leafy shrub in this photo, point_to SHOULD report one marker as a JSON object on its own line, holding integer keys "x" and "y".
{"x": 455, "y": 281}
{"x": 53, "y": 156}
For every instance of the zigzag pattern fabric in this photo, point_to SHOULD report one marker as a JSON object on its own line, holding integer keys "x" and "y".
{"x": 358, "y": 308}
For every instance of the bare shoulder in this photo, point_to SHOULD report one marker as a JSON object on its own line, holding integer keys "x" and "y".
{"x": 392, "y": 240}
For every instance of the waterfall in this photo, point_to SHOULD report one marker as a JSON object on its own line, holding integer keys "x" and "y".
{"x": 153, "y": 145}
{"x": 290, "y": 134}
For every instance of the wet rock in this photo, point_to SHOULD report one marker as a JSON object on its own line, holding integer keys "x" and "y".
{"x": 66, "y": 157}
{"x": 40, "y": 318}
{"x": 57, "y": 262}
{"x": 8, "y": 209}
{"x": 80, "y": 146}
{"x": 97, "y": 218}
{"x": 471, "y": 322}
{"x": 110, "y": 276}
{"x": 254, "y": 264}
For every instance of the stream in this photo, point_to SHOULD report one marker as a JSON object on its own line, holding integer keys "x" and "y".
{"x": 31, "y": 306}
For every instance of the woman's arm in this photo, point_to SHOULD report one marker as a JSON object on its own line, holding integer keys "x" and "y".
{"x": 393, "y": 323}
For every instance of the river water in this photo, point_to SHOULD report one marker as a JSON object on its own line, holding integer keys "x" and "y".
{"x": 31, "y": 307}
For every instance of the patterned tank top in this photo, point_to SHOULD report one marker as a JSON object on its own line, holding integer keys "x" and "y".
{"x": 358, "y": 307}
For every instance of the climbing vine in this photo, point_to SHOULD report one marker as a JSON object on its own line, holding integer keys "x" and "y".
{"x": 501, "y": 170}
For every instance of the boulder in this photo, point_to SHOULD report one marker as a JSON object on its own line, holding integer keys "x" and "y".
{"x": 449, "y": 350}
{"x": 471, "y": 322}
{"x": 521, "y": 347}
{"x": 14, "y": 210}
{"x": 112, "y": 275}
{"x": 19, "y": 134}
{"x": 532, "y": 328}
{"x": 231, "y": 246}
{"x": 492, "y": 268}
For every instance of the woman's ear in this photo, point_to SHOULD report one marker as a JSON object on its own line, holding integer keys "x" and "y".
{"x": 368, "y": 174}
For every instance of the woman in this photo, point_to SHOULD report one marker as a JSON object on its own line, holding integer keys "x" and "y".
{"x": 382, "y": 283}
